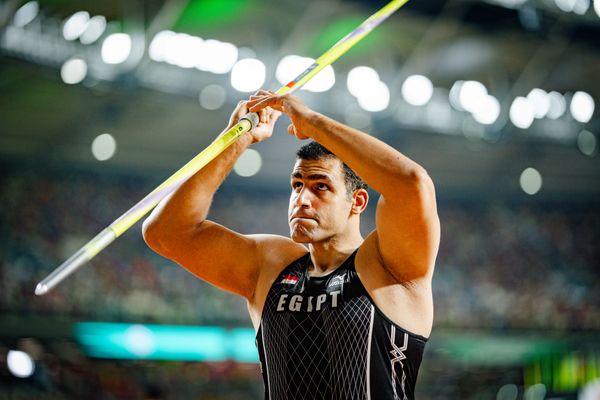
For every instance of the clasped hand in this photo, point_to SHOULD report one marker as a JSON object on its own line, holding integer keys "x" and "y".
{"x": 269, "y": 106}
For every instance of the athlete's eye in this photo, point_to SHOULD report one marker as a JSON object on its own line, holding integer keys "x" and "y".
{"x": 296, "y": 184}
{"x": 321, "y": 186}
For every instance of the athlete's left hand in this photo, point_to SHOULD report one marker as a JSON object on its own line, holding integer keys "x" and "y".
{"x": 267, "y": 118}
{"x": 289, "y": 104}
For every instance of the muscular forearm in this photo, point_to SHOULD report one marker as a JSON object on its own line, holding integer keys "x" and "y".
{"x": 380, "y": 165}
{"x": 188, "y": 206}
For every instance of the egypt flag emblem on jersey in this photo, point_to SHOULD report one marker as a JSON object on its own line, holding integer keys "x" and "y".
{"x": 290, "y": 280}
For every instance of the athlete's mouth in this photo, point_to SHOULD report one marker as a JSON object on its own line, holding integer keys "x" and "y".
{"x": 307, "y": 217}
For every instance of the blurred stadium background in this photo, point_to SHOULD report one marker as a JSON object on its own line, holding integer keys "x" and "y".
{"x": 103, "y": 100}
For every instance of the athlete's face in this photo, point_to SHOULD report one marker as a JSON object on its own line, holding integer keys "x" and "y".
{"x": 319, "y": 203}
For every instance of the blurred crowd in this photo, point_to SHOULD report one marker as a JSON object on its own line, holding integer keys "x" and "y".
{"x": 62, "y": 372}
{"x": 501, "y": 265}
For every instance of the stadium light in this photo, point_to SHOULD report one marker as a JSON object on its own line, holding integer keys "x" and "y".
{"x": 521, "y": 113}
{"x": 582, "y": 107}
{"x": 116, "y": 48}
{"x": 248, "y": 75}
{"x": 417, "y": 90}
{"x": 360, "y": 79}
{"x": 73, "y": 71}
{"x": 95, "y": 28}
{"x": 75, "y": 25}
{"x": 26, "y": 14}
{"x": 248, "y": 164}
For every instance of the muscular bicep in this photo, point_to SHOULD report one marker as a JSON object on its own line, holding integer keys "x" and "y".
{"x": 218, "y": 255}
{"x": 408, "y": 230}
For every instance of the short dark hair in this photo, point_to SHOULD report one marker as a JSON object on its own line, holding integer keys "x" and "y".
{"x": 316, "y": 151}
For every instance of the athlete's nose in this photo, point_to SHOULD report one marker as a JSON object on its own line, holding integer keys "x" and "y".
{"x": 303, "y": 198}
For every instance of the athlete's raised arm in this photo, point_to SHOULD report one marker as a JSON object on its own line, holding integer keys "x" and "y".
{"x": 178, "y": 229}
{"x": 407, "y": 225}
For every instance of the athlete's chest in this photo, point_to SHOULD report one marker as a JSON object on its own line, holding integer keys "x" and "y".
{"x": 297, "y": 292}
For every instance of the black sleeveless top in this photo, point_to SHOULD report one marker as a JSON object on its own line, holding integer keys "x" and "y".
{"x": 324, "y": 338}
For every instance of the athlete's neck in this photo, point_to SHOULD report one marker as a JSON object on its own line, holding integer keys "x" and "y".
{"x": 326, "y": 256}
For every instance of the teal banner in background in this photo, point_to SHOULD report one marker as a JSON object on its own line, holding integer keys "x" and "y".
{"x": 166, "y": 342}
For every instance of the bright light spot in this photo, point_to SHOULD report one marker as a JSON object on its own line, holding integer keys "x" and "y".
{"x": 597, "y": 7}
{"x": 116, "y": 48}
{"x": 417, "y": 90}
{"x": 291, "y": 66}
{"x": 582, "y": 107}
{"x": 104, "y": 147}
{"x": 73, "y": 71}
{"x": 540, "y": 101}
{"x": 454, "y": 95}
{"x": 507, "y": 392}
{"x": 212, "y": 97}
{"x": 487, "y": 111}
{"x": 536, "y": 392}
{"x": 160, "y": 45}
{"x": 471, "y": 94}
{"x": 288, "y": 68}
{"x": 587, "y": 142}
{"x": 248, "y": 75}
{"x": 360, "y": 79}
{"x": 20, "y": 364}
{"x": 95, "y": 28}
{"x": 376, "y": 99}
{"x": 218, "y": 58}
{"x": 187, "y": 51}
{"x": 581, "y": 6}
{"x": 26, "y": 14}
{"x": 531, "y": 181}
{"x": 558, "y": 105}
{"x": 248, "y": 164}
{"x": 140, "y": 340}
{"x": 565, "y": 5}
{"x": 591, "y": 390}
{"x": 521, "y": 113}
{"x": 76, "y": 25}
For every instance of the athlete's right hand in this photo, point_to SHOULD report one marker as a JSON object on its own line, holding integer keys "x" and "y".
{"x": 267, "y": 115}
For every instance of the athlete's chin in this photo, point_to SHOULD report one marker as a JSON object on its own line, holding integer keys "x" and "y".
{"x": 300, "y": 237}
{"x": 300, "y": 234}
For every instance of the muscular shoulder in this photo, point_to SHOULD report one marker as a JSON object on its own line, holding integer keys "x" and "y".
{"x": 276, "y": 252}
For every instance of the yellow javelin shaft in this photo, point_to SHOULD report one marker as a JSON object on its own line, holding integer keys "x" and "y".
{"x": 135, "y": 213}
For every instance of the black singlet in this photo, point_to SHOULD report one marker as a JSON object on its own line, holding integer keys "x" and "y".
{"x": 324, "y": 338}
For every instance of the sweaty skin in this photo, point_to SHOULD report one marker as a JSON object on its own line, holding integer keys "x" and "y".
{"x": 395, "y": 262}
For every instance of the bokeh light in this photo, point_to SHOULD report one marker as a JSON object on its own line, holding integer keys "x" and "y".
{"x": 75, "y": 25}
{"x": 104, "y": 147}
{"x": 248, "y": 75}
{"x": 248, "y": 164}
{"x": 116, "y": 48}
{"x": 521, "y": 113}
{"x": 73, "y": 71}
{"x": 20, "y": 364}
{"x": 531, "y": 181}
{"x": 212, "y": 97}
{"x": 582, "y": 107}
{"x": 417, "y": 90}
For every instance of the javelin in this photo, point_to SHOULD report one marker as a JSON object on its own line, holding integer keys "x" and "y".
{"x": 246, "y": 123}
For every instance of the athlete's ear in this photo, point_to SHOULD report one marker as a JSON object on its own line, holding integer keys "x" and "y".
{"x": 360, "y": 199}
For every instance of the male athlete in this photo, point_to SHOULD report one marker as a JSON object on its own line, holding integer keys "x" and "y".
{"x": 337, "y": 316}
